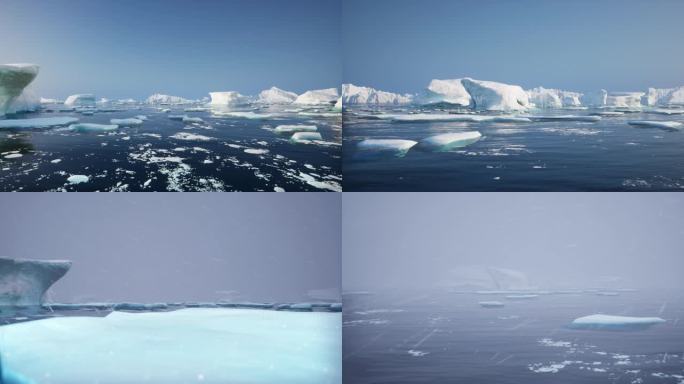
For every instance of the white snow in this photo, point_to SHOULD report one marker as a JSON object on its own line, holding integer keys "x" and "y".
{"x": 318, "y": 96}
{"x": 394, "y": 145}
{"x": 13, "y": 80}
{"x": 656, "y": 124}
{"x": 275, "y": 95}
{"x": 41, "y": 122}
{"x": 91, "y": 127}
{"x": 295, "y": 128}
{"x": 305, "y": 137}
{"x": 614, "y": 322}
{"x": 447, "y": 141}
{"x": 354, "y": 95}
{"x": 214, "y": 345}
{"x": 126, "y": 122}
{"x": 78, "y": 179}
{"x": 493, "y": 96}
{"x": 83, "y": 99}
{"x": 227, "y": 99}
{"x": 450, "y": 91}
{"x": 162, "y": 99}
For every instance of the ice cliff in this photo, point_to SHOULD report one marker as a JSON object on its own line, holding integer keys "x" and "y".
{"x": 24, "y": 282}
{"x": 13, "y": 80}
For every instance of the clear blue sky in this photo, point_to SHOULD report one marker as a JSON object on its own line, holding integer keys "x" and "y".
{"x": 132, "y": 48}
{"x": 399, "y": 45}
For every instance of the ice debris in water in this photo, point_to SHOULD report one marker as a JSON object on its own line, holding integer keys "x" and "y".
{"x": 190, "y": 137}
{"x": 614, "y": 323}
{"x": 295, "y": 128}
{"x": 306, "y": 137}
{"x": 191, "y": 120}
{"x": 656, "y": 124}
{"x": 92, "y": 127}
{"x": 78, "y": 179}
{"x": 41, "y": 122}
{"x": 243, "y": 115}
{"x": 126, "y": 122}
{"x": 397, "y": 146}
{"x": 447, "y": 141}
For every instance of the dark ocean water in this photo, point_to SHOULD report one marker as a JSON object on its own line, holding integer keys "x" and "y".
{"x": 608, "y": 155}
{"x": 231, "y": 153}
{"x": 449, "y": 338}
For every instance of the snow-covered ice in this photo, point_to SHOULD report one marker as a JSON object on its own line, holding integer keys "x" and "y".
{"x": 318, "y": 97}
{"x": 162, "y": 99}
{"x": 275, "y": 95}
{"x": 243, "y": 115}
{"x": 306, "y": 137}
{"x": 553, "y": 98}
{"x": 13, "y": 80}
{"x": 624, "y": 99}
{"x": 354, "y": 95}
{"x": 190, "y": 137}
{"x": 397, "y": 146}
{"x": 190, "y": 120}
{"x": 295, "y": 128}
{"x": 664, "y": 97}
{"x": 616, "y": 323}
{"x": 450, "y": 91}
{"x": 447, "y": 141}
{"x": 78, "y": 179}
{"x": 40, "y": 122}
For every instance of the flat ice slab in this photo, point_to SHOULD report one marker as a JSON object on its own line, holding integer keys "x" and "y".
{"x": 41, "y": 122}
{"x": 521, "y": 297}
{"x": 615, "y": 323}
{"x": 398, "y": 146}
{"x": 447, "y": 141}
{"x": 305, "y": 137}
{"x": 126, "y": 122}
{"x": 184, "y": 346}
{"x": 656, "y": 124}
{"x": 244, "y": 115}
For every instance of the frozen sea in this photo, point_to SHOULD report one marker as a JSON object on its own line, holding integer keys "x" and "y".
{"x": 223, "y": 152}
{"x": 440, "y": 337}
{"x": 540, "y": 155}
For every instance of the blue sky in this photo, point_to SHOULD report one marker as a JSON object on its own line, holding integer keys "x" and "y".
{"x": 129, "y": 48}
{"x": 620, "y": 45}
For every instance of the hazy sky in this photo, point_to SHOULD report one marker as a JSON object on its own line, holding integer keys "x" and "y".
{"x": 620, "y": 45}
{"x": 412, "y": 240}
{"x": 132, "y": 48}
{"x": 153, "y": 247}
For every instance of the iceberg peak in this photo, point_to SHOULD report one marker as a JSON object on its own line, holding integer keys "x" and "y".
{"x": 352, "y": 94}
{"x": 275, "y": 95}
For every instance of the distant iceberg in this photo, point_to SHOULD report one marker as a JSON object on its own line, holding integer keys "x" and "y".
{"x": 450, "y": 91}
{"x": 82, "y": 100}
{"x": 227, "y": 99}
{"x": 276, "y": 95}
{"x": 594, "y": 99}
{"x": 14, "y": 78}
{"x": 130, "y": 122}
{"x": 162, "y": 99}
{"x": 318, "y": 97}
{"x": 615, "y": 323}
{"x": 354, "y": 95}
{"x": 24, "y": 282}
{"x": 493, "y": 96}
{"x": 553, "y": 98}
{"x": 664, "y": 97}
{"x": 624, "y": 99}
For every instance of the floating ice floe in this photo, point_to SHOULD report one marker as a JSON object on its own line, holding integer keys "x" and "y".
{"x": 565, "y": 118}
{"x": 40, "y": 122}
{"x": 608, "y": 113}
{"x": 614, "y": 323}
{"x": 493, "y": 96}
{"x": 78, "y": 179}
{"x": 190, "y": 120}
{"x": 243, "y": 115}
{"x": 131, "y": 122}
{"x": 491, "y": 304}
{"x": 656, "y": 124}
{"x": 190, "y": 137}
{"x": 92, "y": 127}
{"x": 227, "y": 99}
{"x": 666, "y": 111}
{"x": 13, "y": 156}
{"x": 306, "y": 137}
{"x": 318, "y": 96}
{"x": 256, "y": 151}
{"x": 161, "y": 99}
{"x": 354, "y": 95}
{"x": 521, "y": 297}
{"x": 14, "y": 78}
{"x": 447, "y": 141}
{"x": 24, "y": 282}
{"x": 83, "y": 99}
{"x": 275, "y": 95}
{"x": 295, "y": 128}
{"x": 427, "y": 117}
{"x": 398, "y": 147}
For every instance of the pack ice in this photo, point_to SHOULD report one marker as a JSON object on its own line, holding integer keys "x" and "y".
{"x": 276, "y": 95}
{"x": 318, "y": 97}
{"x": 447, "y": 141}
{"x": 213, "y": 345}
{"x": 614, "y": 323}
{"x": 24, "y": 282}
{"x": 352, "y": 94}
{"x": 14, "y": 78}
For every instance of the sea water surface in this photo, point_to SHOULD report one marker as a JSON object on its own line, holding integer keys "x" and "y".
{"x": 222, "y": 152}
{"x": 539, "y": 155}
{"x": 441, "y": 337}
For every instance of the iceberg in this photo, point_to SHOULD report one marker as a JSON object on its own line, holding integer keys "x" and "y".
{"x": 24, "y": 282}
{"x": 614, "y": 323}
{"x": 624, "y": 99}
{"x": 227, "y": 99}
{"x": 493, "y": 96}
{"x": 306, "y": 137}
{"x": 450, "y": 91}
{"x": 521, "y": 297}
{"x": 131, "y": 122}
{"x": 318, "y": 96}
{"x": 553, "y": 98}
{"x": 354, "y": 95}
{"x": 398, "y": 147}
{"x": 162, "y": 99}
{"x": 44, "y": 100}
{"x": 295, "y": 128}
{"x": 594, "y": 99}
{"x": 656, "y": 124}
{"x": 83, "y": 100}
{"x": 14, "y": 78}
{"x": 491, "y": 304}
{"x": 664, "y": 97}
{"x": 338, "y": 105}
{"x": 275, "y": 95}
{"x": 91, "y": 127}
{"x": 41, "y": 122}
{"x": 447, "y": 141}
{"x": 78, "y": 179}
{"x": 214, "y": 345}
{"x": 27, "y": 101}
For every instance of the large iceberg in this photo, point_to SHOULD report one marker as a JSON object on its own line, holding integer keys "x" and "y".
{"x": 614, "y": 323}
{"x": 13, "y": 79}
{"x": 213, "y": 345}
{"x": 352, "y": 94}
{"x": 624, "y": 99}
{"x": 24, "y": 282}
{"x": 450, "y": 91}
{"x": 318, "y": 97}
{"x": 227, "y": 99}
{"x": 553, "y": 98}
{"x": 82, "y": 100}
{"x": 664, "y": 97}
{"x": 493, "y": 96}
{"x": 595, "y": 98}
{"x": 275, "y": 95}
{"x": 162, "y": 99}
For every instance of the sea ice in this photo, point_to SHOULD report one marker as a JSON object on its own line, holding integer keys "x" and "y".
{"x": 493, "y": 96}
{"x": 276, "y": 95}
{"x": 227, "y": 99}
{"x": 553, "y": 98}
{"x": 83, "y": 99}
{"x": 318, "y": 96}
{"x": 190, "y": 137}
{"x": 295, "y": 128}
{"x": 306, "y": 137}
{"x": 243, "y": 115}
{"x": 654, "y": 124}
{"x": 352, "y": 94}
{"x": 426, "y": 117}
{"x": 614, "y": 323}
{"x": 565, "y": 118}
{"x": 594, "y": 99}
{"x": 24, "y": 282}
{"x": 338, "y": 105}
{"x": 91, "y": 127}
{"x": 521, "y": 297}
{"x": 447, "y": 141}
{"x": 397, "y": 146}
{"x": 40, "y": 122}
{"x": 131, "y": 122}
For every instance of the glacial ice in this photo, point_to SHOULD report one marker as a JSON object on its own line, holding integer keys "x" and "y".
{"x": 41, "y": 122}
{"x": 27, "y": 101}
{"x": 553, "y": 98}
{"x": 664, "y": 97}
{"x": 131, "y": 122}
{"x": 83, "y": 99}
{"x": 338, "y": 105}
{"x": 491, "y": 304}
{"x": 614, "y": 323}
{"x": 624, "y": 99}
{"x": 44, "y": 100}
{"x": 594, "y": 99}
{"x": 13, "y": 80}
{"x": 397, "y": 146}
{"x": 24, "y": 282}
{"x": 162, "y": 99}
{"x": 306, "y": 137}
{"x": 656, "y": 124}
{"x": 450, "y": 91}
{"x": 92, "y": 127}
{"x": 227, "y": 99}
{"x": 295, "y": 128}
{"x": 354, "y": 95}
{"x": 188, "y": 345}
{"x": 276, "y": 95}
{"x": 493, "y": 96}
{"x": 448, "y": 141}
{"x": 318, "y": 97}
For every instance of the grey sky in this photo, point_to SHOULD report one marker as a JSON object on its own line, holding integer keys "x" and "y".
{"x": 411, "y": 240}
{"x": 175, "y": 247}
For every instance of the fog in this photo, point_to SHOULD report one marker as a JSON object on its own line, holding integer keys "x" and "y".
{"x": 150, "y": 247}
{"x": 409, "y": 241}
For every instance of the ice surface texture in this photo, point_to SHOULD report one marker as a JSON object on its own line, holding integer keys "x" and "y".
{"x": 351, "y": 94}
{"x": 275, "y": 95}
{"x": 24, "y": 282}
{"x": 318, "y": 97}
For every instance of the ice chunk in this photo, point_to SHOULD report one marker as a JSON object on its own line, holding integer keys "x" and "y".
{"x": 276, "y": 95}
{"x": 493, "y": 96}
{"x": 318, "y": 96}
{"x": 450, "y": 91}
{"x": 595, "y": 99}
{"x": 131, "y": 122}
{"x": 190, "y": 120}
{"x": 295, "y": 128}
{"x": 352, "y": 94}
{"x": 83, "y": 99}
{"x": 256, "y": 151}
{"x": 491, "y": 304}
{"x": 91, "y": 127}
{"x": 398, "y": 147}
{"x": 305, "y": 137}
{"x": 624, "y": 99}
{"x": 24, "y": 282}
{"x": 216, "y": 345}
{"x": 41, "y": 122}
{"x": 664, "y": 96}
{"x": 447, "y": 141}
{"x": 614, "y": 323}
{"x": 13, "y": 156}
{"x": 655, "y": 124}
{"x": 44, "y": 100}
{"x": 162, "y": 99}
{"x": 190, "y": 137}
{"x": 27, "y": 101}
{"x": 243, "y": 115}
{"x": 227, "y": 99}
{"x": 78, "y": 179}
{"x": 13, "y": 79}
